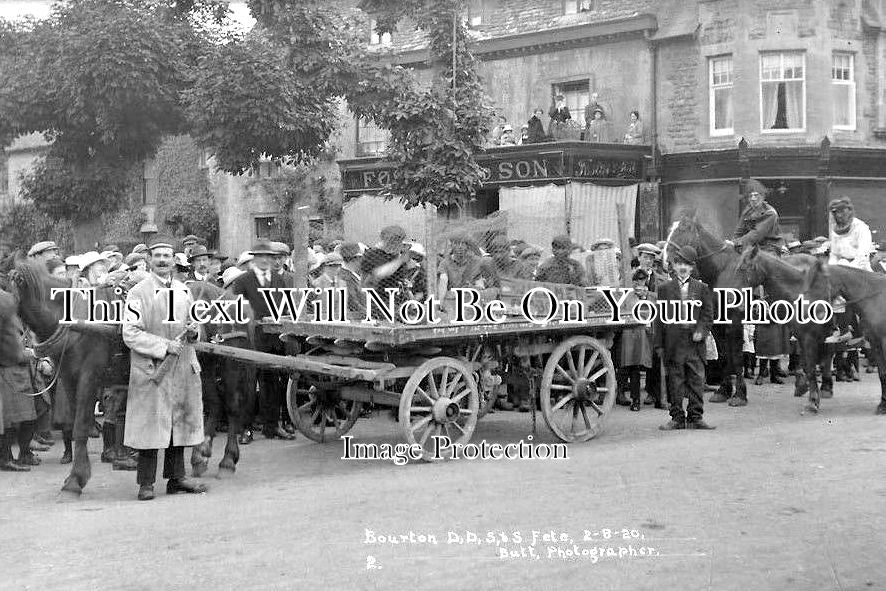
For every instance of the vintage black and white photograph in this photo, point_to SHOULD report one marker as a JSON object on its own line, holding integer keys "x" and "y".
{"x": 442, "y": 294}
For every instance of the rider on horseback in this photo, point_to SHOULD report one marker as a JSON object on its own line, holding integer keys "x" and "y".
{"x": 758, "y": 223}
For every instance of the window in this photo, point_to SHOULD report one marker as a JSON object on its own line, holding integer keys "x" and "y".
{"x": 783, "y": 91}
{"x": 376, "y": 39}
{"x": 576, "y": 95}
{"x": 843, "y": 88}
{"x": 371, "y": 139}
{"x": 475, "y": 13}
{"x": 268, "y": 228}
{"x": 576, "y": 6}
{"x": 720, "y": 98}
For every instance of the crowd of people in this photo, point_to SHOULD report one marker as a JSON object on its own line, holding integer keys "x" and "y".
{"x": 597, "y": 127}
{"x": 686, "y": 355}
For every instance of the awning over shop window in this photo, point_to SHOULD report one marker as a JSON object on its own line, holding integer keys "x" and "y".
{"x": 537, "y": 214}
{"x": 593, "y": 211}
{"x": 365, "y": 216}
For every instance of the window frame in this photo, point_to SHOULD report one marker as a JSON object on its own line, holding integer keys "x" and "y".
{"x": 275, "y": 227}
{"x": 851, "y": 83}
{"x": 575, "y": 6}
{"x": 712, "y": 88}
{"x": 358, "y": 144}
{"x": 376, "y": 40}
{"x": 781, "y": 55}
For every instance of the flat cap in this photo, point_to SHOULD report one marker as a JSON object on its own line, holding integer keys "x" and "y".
{"x": 840, "y": 203}
{"x": 42, "y": 247}
{"x": 161, "y": 241}
{"x": 649, "y": 249}
{"x": 191, "y": 238}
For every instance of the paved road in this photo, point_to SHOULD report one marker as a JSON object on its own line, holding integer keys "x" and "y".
{"x": 770, "y": 500}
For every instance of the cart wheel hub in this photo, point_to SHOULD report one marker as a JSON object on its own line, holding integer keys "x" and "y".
{"x": 445, "y": 410}
{"x": 585, "y": 389}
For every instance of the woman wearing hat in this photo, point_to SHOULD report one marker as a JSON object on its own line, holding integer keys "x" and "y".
{"x": 598, "y": 128}
{"x": 634, "y": 133}
{"x": 559, "y": 114}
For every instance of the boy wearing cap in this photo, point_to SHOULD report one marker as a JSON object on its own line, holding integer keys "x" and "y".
{"x": 560, "y": 268}
{"x": 384, "y": 266}
{"x": 682, "y": 346}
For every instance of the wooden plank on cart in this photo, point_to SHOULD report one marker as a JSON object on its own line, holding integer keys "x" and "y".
{"x": 300, "y": 363}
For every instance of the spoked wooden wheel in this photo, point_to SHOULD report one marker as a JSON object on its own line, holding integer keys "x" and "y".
{"x": 439, "y": 400}
{"x": 478, "y": 353}
{"x": 578, "y": 373}
{"x": 317, "y": 409}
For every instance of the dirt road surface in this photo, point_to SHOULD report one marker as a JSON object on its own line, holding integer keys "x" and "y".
{"x": 770, "y": 500}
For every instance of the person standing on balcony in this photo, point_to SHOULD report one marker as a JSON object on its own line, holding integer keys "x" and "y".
{"x": 634, "y": 133}
{"x": 536, "y": 127}
{"x": 559, "y": 114}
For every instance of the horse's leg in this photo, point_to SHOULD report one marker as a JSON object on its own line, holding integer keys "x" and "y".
{"x": 237, "y": 378}
{"x": 878, "y": 347}
{"x": 724, "y": 392}
{"x": 801, "y": 376}
{"x": 736, "y": 362}
{"x": 84, "y": 384}
{"x": 810, "y": 359}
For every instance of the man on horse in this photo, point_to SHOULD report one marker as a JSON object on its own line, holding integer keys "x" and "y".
{"x": 758, "y": 223}
{"x": 165, "y": 408}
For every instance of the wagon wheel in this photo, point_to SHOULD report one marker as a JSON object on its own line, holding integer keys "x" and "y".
{"x": 439, "y": 399}
{"x": 317, "y": 409}
{"x": 473, "y": 353}
{"x": 577, "y": 372}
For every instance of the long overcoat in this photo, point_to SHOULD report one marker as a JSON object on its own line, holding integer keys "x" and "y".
{"x": 170, "y": 409}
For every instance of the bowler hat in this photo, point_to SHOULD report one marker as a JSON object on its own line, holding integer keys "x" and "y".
{"x": 198, "y": 251}
{"x": 687, "y": 254}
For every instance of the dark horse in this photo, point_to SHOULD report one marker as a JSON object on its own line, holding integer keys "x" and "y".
{"x": 81, "y": 353}
{"x": 716, "y": 265}
{"x": 228, "y": 385}
{"x": 785, "y": 279}
{"x": 864, "y": 290}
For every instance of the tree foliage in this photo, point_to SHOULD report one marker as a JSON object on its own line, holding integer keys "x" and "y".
{"x": 107, "y": 80}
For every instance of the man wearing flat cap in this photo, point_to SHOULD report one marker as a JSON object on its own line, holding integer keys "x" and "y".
{"x": 385, "y": 266}
{"x": 189, "y": 241}
{"x": 758, "y": 224}
{"x": 850, "y": 238}
{"x": 560, "y": 268}
{"x": 164, "y": 408}
{"x": 682, "y": 346}
{"x": 42, "y": 252}
{"x": 271, "y": 385}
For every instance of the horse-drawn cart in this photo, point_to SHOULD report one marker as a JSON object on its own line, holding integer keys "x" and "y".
{"x": 443, "y": 377}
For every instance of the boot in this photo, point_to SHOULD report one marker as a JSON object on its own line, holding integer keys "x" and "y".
{"x": 774, "y": 372}
{"x": 764, "y": 369}
{"x": 108, "y": 435}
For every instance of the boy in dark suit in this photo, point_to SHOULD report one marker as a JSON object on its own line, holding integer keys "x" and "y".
{"x": 682, "y": 346}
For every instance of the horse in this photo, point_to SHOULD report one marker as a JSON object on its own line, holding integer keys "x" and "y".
{"x": 228, "y": 385}
{"x": 81, "y": 354}
{"x": 784, "y": 279}
{"x": 867, "y": 292}
{"x": 716, "y": 264}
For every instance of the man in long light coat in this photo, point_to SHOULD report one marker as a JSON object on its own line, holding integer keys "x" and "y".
{"x": 165, "y": 407}
{"x": 850, "y": 238}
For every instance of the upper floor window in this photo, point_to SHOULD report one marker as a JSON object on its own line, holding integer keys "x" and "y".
{"x": 843, "y": 90}
{"x": 783, "y": 91}
{"x": 720, "y": 95}
{"x": 576, "y": 96}
{"x": 576, "y": 6}
{"x": 371, "y": 139}
{"x": 374, "y": 38}
{"x": 476, "y": 13}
